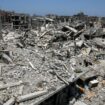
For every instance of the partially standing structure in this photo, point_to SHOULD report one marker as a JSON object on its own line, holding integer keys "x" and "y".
{"x": 20, "y": 21}
{"x": 0, "y": 28}
{"x": 14, "y": 20}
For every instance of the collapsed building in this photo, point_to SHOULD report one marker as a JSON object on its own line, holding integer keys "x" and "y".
{"x": 58, "y": 61}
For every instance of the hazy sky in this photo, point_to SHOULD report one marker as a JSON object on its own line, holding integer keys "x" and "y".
{"x": 60, "y": 7}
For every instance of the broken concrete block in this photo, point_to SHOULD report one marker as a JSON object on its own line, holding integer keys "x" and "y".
{"x": 10, "y": 85}
{"x": 93, "y": 83}
{"x": 21, "y": 103}
{"x": 99, "y": 42}
{"x": 43, "y": 29}
{"x": 21, "y": 89}
{"x": 71, "y": 28}
{"x": 79, "y": 43}
{"x": 86, "y": 51}
{"x": 90, "y": 75}
{"x": 11, "y": 101}
{"x": 7, "y": 58}
{"x": 20, "y": 45}
{"x": 31, "y": 96}
{"x": 71, "y": 102}
{"x": 79, "y": 103}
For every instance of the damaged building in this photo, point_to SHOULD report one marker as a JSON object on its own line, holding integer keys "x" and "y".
{"x": 21, "y": 21}
{"x": 58, "y": 61}
{"x": 14, "y": 20}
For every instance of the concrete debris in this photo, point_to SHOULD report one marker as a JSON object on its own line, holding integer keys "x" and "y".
{"x": 61, "y": 78}
{"x": 86, "y": 51}
{"x": 7, "y": 58}
{"x": 93, "y": 83}
{"x": 90, "y": 75}
{"x": 10, "y": 101}
{"x": 89, "y": 95}
{"x": 79, "y": 103}
{"x": 30, "y": 63}
{"x": 99, "y": 42}
{"x": 31, "y": 96}
{"x": 0, "y": 70}
{"x": 54, "y": 57}
{"x": 72, "y": 29}
{"x": 79, "y": 43}
{"x": 9, "y": 85}
{"x": 21, "y": 89}
{"x": 1, "y": 37}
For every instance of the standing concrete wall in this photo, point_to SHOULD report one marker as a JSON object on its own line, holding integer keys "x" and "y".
{"x": 0, "y": 29}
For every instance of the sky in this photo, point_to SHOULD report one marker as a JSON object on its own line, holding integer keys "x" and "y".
{"x": 59, "y": 7}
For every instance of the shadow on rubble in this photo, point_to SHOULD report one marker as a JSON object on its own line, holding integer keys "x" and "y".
{"x": 67, "y": 96}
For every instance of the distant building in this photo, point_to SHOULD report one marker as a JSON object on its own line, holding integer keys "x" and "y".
{"x": 14, "y": 20}
{"x": 20, "y": 21}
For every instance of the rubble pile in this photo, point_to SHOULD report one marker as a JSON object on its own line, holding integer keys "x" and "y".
{"x": 34, "y": 64}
